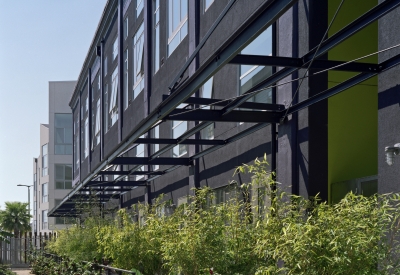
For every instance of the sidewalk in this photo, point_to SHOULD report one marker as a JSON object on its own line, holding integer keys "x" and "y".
{"x": 22, "y": 271}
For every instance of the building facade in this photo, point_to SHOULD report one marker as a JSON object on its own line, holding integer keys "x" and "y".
{"x": 173, "y": 95}
{"x": 52, "y": 170}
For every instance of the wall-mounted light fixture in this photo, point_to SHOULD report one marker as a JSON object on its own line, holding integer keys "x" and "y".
{"x": 392, "y": 151}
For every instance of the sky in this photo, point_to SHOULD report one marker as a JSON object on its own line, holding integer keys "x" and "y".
{"x": 40, "y": 41}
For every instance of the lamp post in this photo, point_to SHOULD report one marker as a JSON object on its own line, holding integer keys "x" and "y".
{"x": 29, "y": 197}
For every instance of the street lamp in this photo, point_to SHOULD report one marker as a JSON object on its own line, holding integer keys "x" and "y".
{"x": 29, "y": 197}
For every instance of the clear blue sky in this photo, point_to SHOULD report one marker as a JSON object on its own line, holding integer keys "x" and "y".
{"x": 40, "y": 41}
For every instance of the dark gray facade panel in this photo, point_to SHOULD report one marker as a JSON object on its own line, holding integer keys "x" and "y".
{"x": 388, "y": 103}
{"x": 240, "y": 11}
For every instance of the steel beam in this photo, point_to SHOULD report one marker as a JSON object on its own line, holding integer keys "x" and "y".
{"x": 134, "y": 173}
{"x": 146, "y": 161}
{"x": 118, "y": 183}
{"x": 175, "y": 141}
{"x": 224, "y": 102}
{"x": 216, "y": 115}
{"x": 394, "y": 61}
{"x": 352, "y": 28}
{"x": 280, "y": 61}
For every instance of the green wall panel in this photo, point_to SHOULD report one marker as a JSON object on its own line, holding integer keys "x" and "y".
{"x": 353, "y": 114}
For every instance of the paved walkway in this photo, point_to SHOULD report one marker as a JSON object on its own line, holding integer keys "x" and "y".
{"x": 22, "y": 271}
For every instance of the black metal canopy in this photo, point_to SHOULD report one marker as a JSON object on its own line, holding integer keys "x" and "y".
{"x": 226, "y": 110}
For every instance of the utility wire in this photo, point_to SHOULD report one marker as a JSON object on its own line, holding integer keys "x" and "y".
{"x": 288, "y": 82}
{"x": 312, "y": 60}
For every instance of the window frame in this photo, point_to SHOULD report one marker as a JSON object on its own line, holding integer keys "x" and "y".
{"x": 45, "y": 160}
{"x": 179, "y": 146}
{"x": 113, "y": 107}
{"x": 138, "y": 73}
{"x": 45, "y": 197}
{"x": 63, "y": 180}
{"x": 65, "y": 143}
{"x": 172, "y": 33}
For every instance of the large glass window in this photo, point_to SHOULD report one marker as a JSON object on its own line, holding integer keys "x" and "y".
{"x": 105, "y": 107}
{"x": 207, "y": 92}
{"x": 34, "y": 209}
{"x": 86, "y": 136}
{"x": 44, "y": 160}
{"x": 96, "y": 128}
{"x": 156, "y": 147}
{"x": 127, "y": 97}
{"x": 252, "y": 75}
{"x": 44, "y": 219}
{"x": 63, "y": 176}
{"x": 115, "y": 48}
{"x": 177, "y": 23}
{"x": 156, "y": 35}
{"x": 76, "y": 151}
{"x": 45, "y": 192}
{"x": 138, "y": 70}
{"x": 63, "y": 134}
{"x": 178, "y": 128}
{"x": 126, "y": 27}
{"x": 34, "y": 181}
{"x": 139, "y": 7}
{"x": 113, "y": 108}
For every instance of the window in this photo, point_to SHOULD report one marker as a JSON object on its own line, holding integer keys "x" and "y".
{"x": 63, "y": 176}
{"x": 177, "y": 23}
{"x": 138, "y": 70}
{"x": 106, "y": 116}
{"x": 96, "y": 130}
{"x": 77, "y": 151}
{"x": 86, "y": 136}
{"x": 156, "y": 35}
{"x": 44, "y": 160}
{"x": 115, "y": 49}
{"x": 113, "y": 108}
{"x": 139, "y": 7}
{"x": 34, "y": 181}
{"x": 252, "y": 75}
{"x": 44, "y": 219}
{"x": 63, "y": 134}
{"x": 207, "y": 92}
{"x": 140, "y": 154}
{"x": 105, "y": 66}
{"x": 126, "y": 28}
{"x": 156, "y": 147}
{"x": 207, "y": 4}
{"x": 65, "y": 220}
{"x": 45, "y": 192}
{"x": 178, "y": 128}
{"x": 34, "y": 208}
{"x": 126, "y": 78}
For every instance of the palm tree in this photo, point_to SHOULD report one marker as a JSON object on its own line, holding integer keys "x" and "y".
{"x": 15, "y": 218}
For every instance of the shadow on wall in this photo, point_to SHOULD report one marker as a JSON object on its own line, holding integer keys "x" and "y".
{"x": 389, "y": 97}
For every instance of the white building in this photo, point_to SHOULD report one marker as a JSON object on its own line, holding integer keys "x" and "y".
{"x": 52, "y": 170}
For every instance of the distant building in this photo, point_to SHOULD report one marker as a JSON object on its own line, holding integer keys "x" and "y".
{"x": 52, "y": 170}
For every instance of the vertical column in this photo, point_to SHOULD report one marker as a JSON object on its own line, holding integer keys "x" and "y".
{"x": 318, "y": 113}
{"x": 90, "y": 97}
{"x": 194, "y": 33}
{"x": 148, "y": 73}
{"x": 101, "y": 54}
{"x": 79, "y": 137}
{"x": 120, "y": 68}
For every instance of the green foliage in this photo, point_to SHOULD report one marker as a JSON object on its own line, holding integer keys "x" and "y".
{"x": 42, "y": 265}
{"x": 4, "y": 270}
{"x": 15, "y": 218}
{"x": 4, "y": 235}
{"x": 272, "y": 233}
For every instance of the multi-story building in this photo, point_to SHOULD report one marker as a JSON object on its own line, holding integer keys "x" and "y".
{"x": 52, "y": 170}
{"x": 315, "y": 95}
